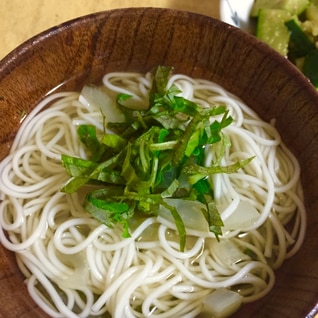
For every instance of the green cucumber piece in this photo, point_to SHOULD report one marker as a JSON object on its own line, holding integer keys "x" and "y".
{"x": 300, "y": 44}
{"x": 271, "y": 29}
{"x": 310, "y": 68}
{"x": 294, "y": 7}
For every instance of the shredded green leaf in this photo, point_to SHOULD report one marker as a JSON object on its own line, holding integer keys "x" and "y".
{"x": 156, "y": 154}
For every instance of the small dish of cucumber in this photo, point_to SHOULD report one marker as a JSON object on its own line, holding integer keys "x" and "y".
{"x": 288, "y": 26}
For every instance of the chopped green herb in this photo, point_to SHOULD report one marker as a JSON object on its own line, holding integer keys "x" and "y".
{"x": 156, "y": 154}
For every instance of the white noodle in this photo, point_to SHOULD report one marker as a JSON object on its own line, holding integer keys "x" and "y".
{"x": 63, "y": 251}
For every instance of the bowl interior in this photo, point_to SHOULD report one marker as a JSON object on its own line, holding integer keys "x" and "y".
{"x": 83, "y": 50}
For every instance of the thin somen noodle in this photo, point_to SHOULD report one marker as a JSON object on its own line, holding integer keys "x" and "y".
{"x": 77, "y": 267}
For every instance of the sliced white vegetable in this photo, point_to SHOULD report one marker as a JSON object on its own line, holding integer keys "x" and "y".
{"x": 190, "y": 212}
{"x": 222, "y": 303}
{"x": 227, "y": 252}
{"x": 92, "y": 96}
{"x": 80, "y": 275}
{"x": 244, "y": 216}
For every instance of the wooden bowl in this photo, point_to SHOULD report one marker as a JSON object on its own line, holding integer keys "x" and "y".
{"x": 82, "y": 50}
